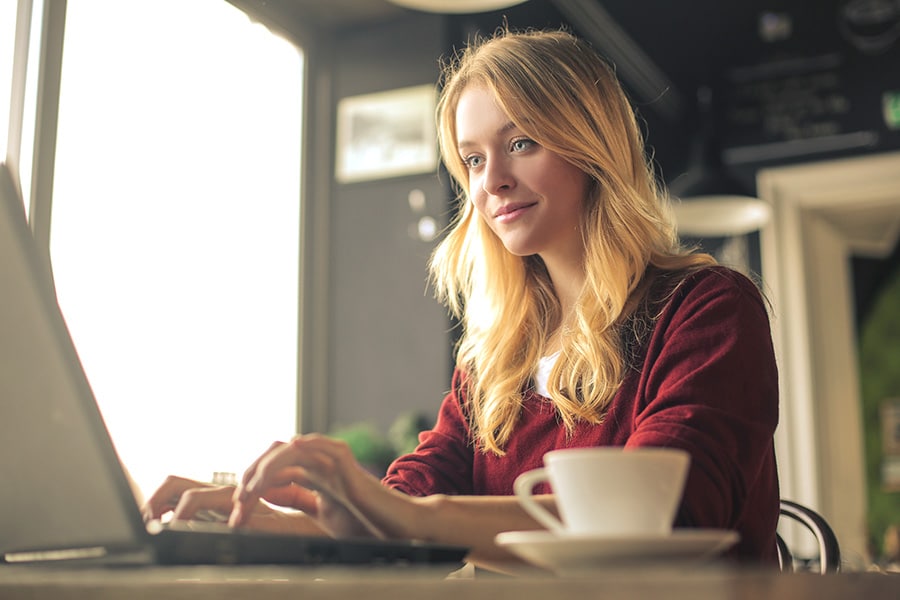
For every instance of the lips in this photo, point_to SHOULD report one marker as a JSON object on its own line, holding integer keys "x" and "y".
{"x": 507, "y": 210}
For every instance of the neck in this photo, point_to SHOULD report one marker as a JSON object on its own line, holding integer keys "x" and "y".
{"x": 568, "y": 281}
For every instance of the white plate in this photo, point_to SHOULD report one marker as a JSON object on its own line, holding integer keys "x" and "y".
{"x": 573, "y": 554}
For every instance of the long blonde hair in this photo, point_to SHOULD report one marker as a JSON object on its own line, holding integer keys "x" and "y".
{"x": 561, "y": 93}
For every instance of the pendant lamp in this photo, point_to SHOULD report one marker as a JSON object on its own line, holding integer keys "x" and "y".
{"x": 707, "y": 200}
{"x": 456, "y": 6}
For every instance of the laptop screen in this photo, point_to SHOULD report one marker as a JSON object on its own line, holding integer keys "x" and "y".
{"x": 61, "y": 483}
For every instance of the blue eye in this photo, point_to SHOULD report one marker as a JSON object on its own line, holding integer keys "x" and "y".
{"x": 472, "y": 161}
{"x": 521, "y": 144}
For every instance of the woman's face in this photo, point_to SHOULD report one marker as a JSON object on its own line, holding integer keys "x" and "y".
{"x": 530, "y": 197}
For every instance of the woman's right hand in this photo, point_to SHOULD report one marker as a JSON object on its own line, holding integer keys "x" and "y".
{"x": 186, "y": 499}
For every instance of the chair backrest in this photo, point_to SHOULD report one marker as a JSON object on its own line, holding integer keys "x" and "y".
{"x": 829, "y": 549}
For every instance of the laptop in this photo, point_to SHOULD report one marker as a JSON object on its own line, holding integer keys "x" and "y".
{"x": 64, "y": 495}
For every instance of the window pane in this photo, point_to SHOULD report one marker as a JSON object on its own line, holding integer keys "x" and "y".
{"x": 18, "y": 105}
{"x": 7, "y": 46}
{"x": 175, "y": 229}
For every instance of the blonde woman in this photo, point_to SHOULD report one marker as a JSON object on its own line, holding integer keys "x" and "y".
{"x": 584, "y": 323}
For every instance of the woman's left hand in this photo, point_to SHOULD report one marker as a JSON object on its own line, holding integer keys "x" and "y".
{"x": 318, "y": 475}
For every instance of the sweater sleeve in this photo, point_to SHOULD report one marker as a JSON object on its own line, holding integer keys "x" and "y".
{"x": 442, "y": 462}
{"x": 710, "y": 386}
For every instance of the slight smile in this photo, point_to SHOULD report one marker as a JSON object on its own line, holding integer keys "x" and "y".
{"x": 508, "y": 212}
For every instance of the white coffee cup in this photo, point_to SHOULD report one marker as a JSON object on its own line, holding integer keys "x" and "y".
{"x": 608, "y": 491}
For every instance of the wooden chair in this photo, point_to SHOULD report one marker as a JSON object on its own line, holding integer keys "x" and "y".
{"x": 829, "y": 550}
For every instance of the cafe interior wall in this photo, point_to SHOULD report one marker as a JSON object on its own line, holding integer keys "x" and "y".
{"x": 375, "y": 355}
{"x": 390, "y": 353}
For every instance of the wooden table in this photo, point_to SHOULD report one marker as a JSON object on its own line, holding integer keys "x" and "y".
{"x": 306, "y": 583}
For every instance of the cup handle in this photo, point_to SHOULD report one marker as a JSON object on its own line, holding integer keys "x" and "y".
{"x": 523, "y": 487}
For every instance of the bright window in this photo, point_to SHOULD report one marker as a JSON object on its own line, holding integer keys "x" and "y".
{"x": 175, "y": 229}
{"x": 19, "y": 99}
{"x": 7, "y": 39}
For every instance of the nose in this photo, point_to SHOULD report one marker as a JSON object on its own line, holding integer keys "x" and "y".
{"x": 498, "y": 176}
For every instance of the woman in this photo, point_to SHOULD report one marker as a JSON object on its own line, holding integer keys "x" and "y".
{"x": 584, "y": 323}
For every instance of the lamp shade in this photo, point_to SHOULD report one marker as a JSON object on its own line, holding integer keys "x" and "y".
{"x": 720, "y": 216}
{"x": 706, "y": 199}
{"x": 709, "y": 203}
{"x": 456, "y": 6}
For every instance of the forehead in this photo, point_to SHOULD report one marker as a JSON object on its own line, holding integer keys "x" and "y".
{"x": 479, "y": 115}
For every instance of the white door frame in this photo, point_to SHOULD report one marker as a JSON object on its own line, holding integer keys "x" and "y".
{"x": 823, "y": 213}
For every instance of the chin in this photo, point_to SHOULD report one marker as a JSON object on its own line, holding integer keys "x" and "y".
{"x": 517, "y": 248}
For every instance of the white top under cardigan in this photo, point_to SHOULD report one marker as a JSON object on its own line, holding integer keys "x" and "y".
{"x": 542, "y": 376}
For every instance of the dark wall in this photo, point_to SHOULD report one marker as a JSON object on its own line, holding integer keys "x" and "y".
{"x": 831, "y": 89}
{"x": 389, "y": 349}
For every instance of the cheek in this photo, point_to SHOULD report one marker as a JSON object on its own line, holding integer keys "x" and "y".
{"x": 479, "y": 201}
{"x": 577, "y": 189}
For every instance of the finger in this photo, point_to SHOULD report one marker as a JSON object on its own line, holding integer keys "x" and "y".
{"x": 321, "y": 458}
{"x": 244, "y": 502}
{"x": 290, "y": 475}
{"x": 216, "y": 499}
{"x": 297, "y": 462}
{"x": 251, "y": 470}
{"x": 287, "y": 490}
{"x": 293, "y": 496}
{"x": 327, "y": 466}
{"x": 167, "y": 496}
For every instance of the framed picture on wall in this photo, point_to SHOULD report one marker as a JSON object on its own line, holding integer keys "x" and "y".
{"x": 386, "y": 134}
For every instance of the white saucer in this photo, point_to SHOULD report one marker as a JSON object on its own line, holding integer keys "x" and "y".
{"x": 572, "y": 554}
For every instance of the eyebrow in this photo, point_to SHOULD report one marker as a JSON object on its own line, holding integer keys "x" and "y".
{"x": 505, "y": 128}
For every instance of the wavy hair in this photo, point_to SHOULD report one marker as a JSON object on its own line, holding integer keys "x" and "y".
{"x": 562, "y": 94}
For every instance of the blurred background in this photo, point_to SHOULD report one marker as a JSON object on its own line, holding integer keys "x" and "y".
{"x": 233, "y": 272}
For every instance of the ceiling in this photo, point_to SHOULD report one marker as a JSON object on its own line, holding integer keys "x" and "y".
{"x": 680, "y": 44}
{"x": 334, "y": 14}
{"x": 665, "y": 51}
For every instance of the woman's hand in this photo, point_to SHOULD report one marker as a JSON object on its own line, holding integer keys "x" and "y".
{"x": 184, "y": 497}
{"x": 187, "y": 499}
{"x": 320, "y": 476}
